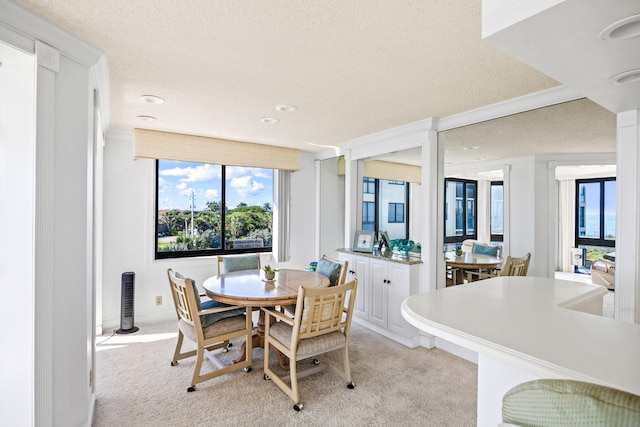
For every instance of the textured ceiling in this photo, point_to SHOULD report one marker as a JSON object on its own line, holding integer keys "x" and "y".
{"x": 580, "y": 126}
{"x": 352, "y": 68}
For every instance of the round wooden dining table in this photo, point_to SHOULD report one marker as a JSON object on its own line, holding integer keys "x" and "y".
{"x": 471, "y": 261}
{"x": 249, "y": 288}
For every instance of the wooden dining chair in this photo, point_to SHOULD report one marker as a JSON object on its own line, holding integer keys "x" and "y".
{"x": 333, "y": 269}
{"x": 321, "y": 324}
{"x": 210, "y": 329}
{"x": 511, "y": 267}
{"x": 231, "y": 263}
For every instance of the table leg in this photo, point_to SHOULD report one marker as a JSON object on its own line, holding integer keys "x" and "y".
{"x": 257, "y": 340}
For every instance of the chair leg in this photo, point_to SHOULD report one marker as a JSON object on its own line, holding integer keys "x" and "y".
{"x": 295, "y": 395}
{"x": 177, "y": 354}
{"x": 195, "y": 379}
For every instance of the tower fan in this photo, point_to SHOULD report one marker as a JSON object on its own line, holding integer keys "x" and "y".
{"x": 127, "y": 304}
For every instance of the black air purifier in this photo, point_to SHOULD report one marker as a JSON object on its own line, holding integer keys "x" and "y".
{"x": 127, "y": 304}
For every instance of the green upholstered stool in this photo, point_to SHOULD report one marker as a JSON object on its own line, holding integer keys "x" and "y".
{"x": 565, "y": 403}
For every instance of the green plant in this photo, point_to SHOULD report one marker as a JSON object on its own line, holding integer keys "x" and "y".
{"x": 269, "y": 270}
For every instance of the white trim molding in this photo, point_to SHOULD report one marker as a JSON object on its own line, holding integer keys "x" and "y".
{"x": 627, "y": 249}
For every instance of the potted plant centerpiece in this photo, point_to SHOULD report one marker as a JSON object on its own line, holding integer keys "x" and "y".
{"x": 269, "y": 272}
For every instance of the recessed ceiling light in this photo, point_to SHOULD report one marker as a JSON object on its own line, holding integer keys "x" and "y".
{"x": 151, "y": 99}
{"x": 623, "y": 29}
{"x": 286, "y": 108}
{"x": 269, "y": 120}
{"x": 630, "y": 76}
{"x": 146, "y": 118}
{"x": 475, "y": 147}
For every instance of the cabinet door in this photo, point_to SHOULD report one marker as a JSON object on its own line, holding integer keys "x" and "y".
{"x": 357, "y": 269}
{"x": 361, "y": 267}
{"x": 378, "y": 289}
{"x": 398, "y": 287}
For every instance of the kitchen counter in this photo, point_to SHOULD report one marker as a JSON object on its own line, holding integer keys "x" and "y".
{"x": 525, "y": 328}
{"x": 387, "y": 256}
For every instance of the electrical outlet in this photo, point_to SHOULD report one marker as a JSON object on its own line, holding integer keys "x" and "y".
{"x": 159, "y": 300}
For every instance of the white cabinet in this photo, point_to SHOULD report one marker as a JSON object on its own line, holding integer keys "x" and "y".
{"x": 383, "y": 284}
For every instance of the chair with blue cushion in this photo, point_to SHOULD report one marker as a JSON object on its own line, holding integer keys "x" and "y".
{"x": 209, "y": 328}
{"x": 566, "y": 403}
{"x": 491, "y": 250}
{"x": 333, "y": 269}
{"x": 231, "y": 263}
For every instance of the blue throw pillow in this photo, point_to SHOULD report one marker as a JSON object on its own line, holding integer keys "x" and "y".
{"x": 485, "y": 250}
{"x": 330, "y": 269}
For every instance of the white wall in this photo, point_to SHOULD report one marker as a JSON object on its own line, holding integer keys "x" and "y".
{"x": 17, "y": 213}
{"x": 129, "y": 198}
{"x": 331, "y": 208}
{"x": 72, "y": 266}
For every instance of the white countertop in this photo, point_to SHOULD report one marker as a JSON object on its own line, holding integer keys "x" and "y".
{"x": 525, "y": 321}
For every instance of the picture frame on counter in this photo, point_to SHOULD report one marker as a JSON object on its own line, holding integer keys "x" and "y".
{"x": 363, "y": 241}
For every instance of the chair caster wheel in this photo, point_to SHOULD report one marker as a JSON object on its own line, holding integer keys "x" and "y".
{"x": 316, "y": 362}
{"x": 191, "y": 389}
{"x": 298, "y": 407}
{"x": 230, "y": 344}
{"x": 266, "y": 377}
{"x": 174, "y": 363}
{"x": 351, "y": 385}
{"x": 248, "y": 369}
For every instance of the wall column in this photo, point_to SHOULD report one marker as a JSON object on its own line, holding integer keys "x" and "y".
{"x": 627, "y": 296}
{"x": 433, "y": 267}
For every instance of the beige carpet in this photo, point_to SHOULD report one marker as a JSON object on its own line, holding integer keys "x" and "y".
{"x": 395, "y": 386}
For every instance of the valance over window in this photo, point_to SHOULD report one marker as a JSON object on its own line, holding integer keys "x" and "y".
{"x": 393, "y": 171}
{"x": 387, "y": 170}
{"x": 153, "y": 144}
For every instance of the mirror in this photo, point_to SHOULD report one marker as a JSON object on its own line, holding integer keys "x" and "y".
{"x": 577, "y": 138}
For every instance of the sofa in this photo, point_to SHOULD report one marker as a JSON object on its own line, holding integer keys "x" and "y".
{"x": 603, "y": 273}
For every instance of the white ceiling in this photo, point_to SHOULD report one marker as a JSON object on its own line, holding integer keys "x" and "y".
{"x": 353, "y": 68}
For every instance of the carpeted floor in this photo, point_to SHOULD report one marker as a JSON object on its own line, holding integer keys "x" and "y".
{"x": 395, "y": 386}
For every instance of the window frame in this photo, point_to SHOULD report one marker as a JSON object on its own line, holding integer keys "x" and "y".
{"x": 395, "y": 205}
{"x": 368, "y": 180}
{"x": 464, "y": 236}
{"x": 589, "y": 241}
{"x": 496, "y": 237}
{"x": 159, "y": 255}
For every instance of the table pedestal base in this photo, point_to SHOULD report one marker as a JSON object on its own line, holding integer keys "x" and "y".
{"x": 257, "y": 340}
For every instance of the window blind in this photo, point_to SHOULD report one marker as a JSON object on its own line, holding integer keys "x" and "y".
{"x": 393, "y": 171}
{"x": 153, "y": 144}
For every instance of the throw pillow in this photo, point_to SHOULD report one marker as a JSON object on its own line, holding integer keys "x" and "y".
{"x": 330, "y": 269}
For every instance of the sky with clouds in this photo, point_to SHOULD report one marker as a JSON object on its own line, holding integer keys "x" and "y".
{"x": 177, "y": 180}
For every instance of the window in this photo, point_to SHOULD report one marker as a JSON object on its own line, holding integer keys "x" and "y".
{"x": 385, "y": 206}
{"x": 369, "y": 186}
{"x": 396, "y": 212}
{"x": 497, "y": 211}
{"x": 205, "y": 209}
{"x": 369, "y": 216}
{"x": 596, "y": 216}
{"x": 460, "y": 210}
